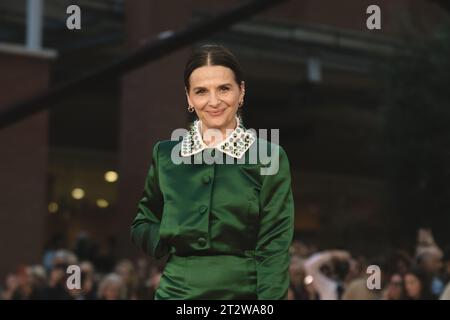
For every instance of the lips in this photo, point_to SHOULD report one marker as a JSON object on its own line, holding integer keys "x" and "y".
{"x": 216, "y": 113}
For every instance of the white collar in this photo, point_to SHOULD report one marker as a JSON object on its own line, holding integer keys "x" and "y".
{"x": 235, "y": 145}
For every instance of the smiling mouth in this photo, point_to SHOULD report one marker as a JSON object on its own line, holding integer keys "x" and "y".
{"x": 216, "y": 113}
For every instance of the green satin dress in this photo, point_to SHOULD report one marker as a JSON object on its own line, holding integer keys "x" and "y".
{"x": 226, "y": 227}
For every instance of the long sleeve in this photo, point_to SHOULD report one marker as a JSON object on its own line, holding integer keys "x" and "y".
{"x": 276, "y": 229}
{"x": 146, "y": 224}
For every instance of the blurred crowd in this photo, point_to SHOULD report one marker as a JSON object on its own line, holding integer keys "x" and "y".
{"x": 314, "y": 274}
{"x": 394, "y": 275}
{"x": 102, "y": 275}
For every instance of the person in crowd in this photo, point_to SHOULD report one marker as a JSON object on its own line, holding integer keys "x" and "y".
{"x": 429, "y": 260}
{"x": 296, "y": 275}
{"x": 417, "y": 285}
{"x": 300, "y": 249}
{"x": 29, "y": 283}
{"x": 398, "y": 261}
{"x": 57, "y": 286}
{"x": 126, "y": 270}
{"x": 38, "y": 278}
{"x": 112, "y": 287}
{"x": 395, "y": 289}
{"x": 327, "y": 272}
{"x": 88, "y": 281}
{"x": 11, "y": 285}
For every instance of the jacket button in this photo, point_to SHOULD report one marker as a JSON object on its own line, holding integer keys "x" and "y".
{"x": 201, "y": 241}
{"x": 206, "y": 179}
{"x": 203, "y": 209}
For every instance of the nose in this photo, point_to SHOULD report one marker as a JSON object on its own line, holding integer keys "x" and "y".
{"x": 213, "y": 100}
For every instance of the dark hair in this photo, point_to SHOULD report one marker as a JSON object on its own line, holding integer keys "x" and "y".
{"x": 213, "y": 55}
{"x": 341, "y": 269}
{"x": 425, "y": 282}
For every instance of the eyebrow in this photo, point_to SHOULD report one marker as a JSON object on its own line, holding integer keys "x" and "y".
{"x": 221, "y": 85}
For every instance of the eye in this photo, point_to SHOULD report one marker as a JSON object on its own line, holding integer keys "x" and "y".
{"x": 225, "y": 88}
{"x": 200, "y": 91}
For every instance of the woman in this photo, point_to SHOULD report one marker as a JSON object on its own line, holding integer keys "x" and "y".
{"x": 395, "y": 289}
{"x": 226, "y": 227}
{"x": 112, "y": 287}
{"x": 417, "y": 285}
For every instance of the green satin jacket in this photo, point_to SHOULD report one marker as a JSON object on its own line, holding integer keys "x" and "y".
{"x": 227, "y": 228}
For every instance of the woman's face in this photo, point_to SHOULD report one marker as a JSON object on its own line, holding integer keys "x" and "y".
{"x": 112, "y": 292}
{"x": 395, "y": 287}
{"x": 215, "y": 95}
{"x": 413, "y": 286}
